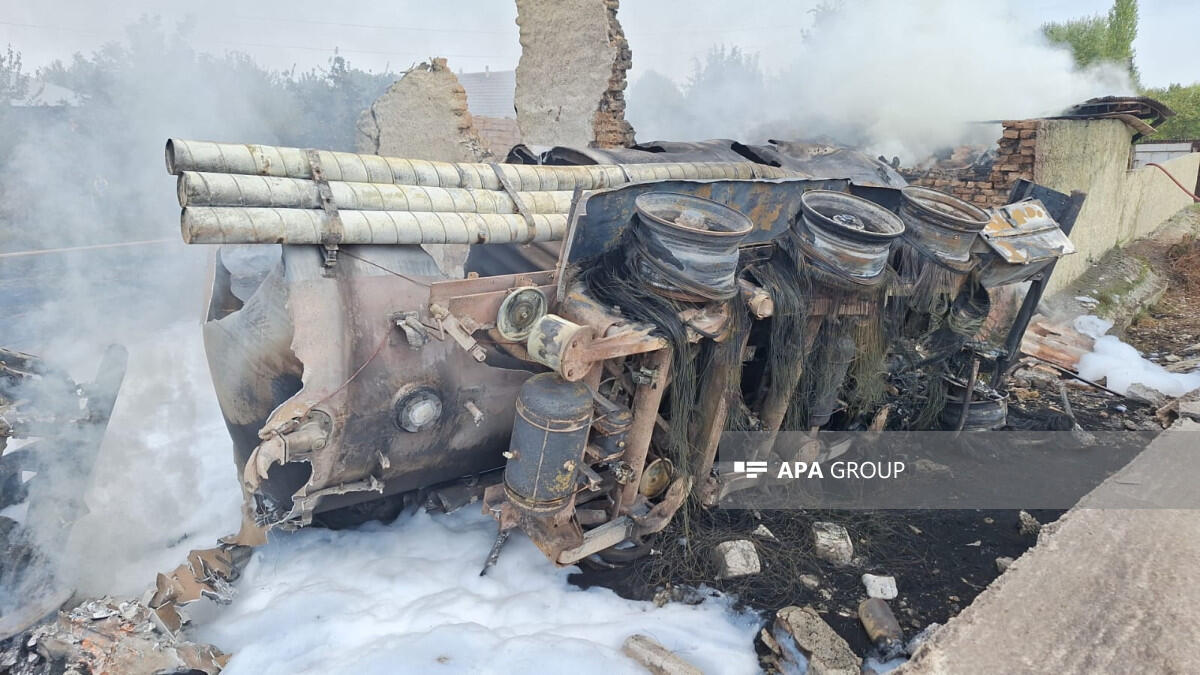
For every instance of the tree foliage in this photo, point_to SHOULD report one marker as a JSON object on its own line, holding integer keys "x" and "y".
{"x": 1185, "y": 101}
{"x": 1102, "y": 38}
{"x": 13, "y": 82}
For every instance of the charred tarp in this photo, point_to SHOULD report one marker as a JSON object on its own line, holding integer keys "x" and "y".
{"x": 353, "y": 374}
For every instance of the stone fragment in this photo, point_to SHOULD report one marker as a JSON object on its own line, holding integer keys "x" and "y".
{"x": 1028, "y": 524}
{"x": 826, "y": 651}
{"x": 1184, "y": 365}
{"x": 656, "y": 658}
{"x": 737, "y": 558}
{"x": 811, "y": 581}
{"x": 1144, "y": 394}
{"x": 831, "y": 542}
{"x": 1003, "y": 563}
{"x": 883, "y": 587}
{"x": 762, "y": 531}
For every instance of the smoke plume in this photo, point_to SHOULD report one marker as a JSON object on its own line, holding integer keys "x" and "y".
{"x": 894, "y": 78}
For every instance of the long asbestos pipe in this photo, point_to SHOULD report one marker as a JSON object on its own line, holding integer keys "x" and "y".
{"x": 225, "y": 189}
{"x": 256, "y": 225}
{"x": 267, "y": 160}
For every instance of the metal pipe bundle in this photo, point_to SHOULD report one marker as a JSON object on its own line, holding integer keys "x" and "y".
{"x": 268, "y": 160}
{"x": 261, "y": 194}
{"x": 257, "y": 225}
{"x": 225, "y": 189}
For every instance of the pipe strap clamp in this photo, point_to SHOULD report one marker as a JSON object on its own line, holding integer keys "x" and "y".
{"x": 333, "y": 232}
{"x": 517, "y": 201}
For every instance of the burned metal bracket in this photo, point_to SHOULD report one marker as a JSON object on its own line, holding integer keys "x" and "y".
{"x": 334, "y": 232}
{"x": 451, "y": 325}
{"x": 514, "y": 195}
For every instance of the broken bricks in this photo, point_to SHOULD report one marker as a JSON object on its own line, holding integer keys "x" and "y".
{"x": 736, "y": 558}
{"x": 1027, "y": 524}
{"x": 655, "y": 657}
{"x": 831, "y": 542}
{"x": 802, "y": 629}
{"x": 110, "y": 636}
{"x": 882, "y": 587}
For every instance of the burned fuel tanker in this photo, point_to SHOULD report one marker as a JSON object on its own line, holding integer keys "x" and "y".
{"x": 617, "y": 311}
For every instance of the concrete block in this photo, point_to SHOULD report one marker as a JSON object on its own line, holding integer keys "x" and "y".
{"x": 832, "y": 542}
{"x": 737, "y": 558}
{"x": 882, "y": 587}
{"x": 826, "y": 651}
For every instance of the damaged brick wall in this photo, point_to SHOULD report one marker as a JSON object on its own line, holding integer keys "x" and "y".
{"x": 1014, "y": 160}
{"x": 423, "y": 115}
{"x": 499, "y": 134}
{"x": 571, "y": 76}
{"x": 612, "y": 130}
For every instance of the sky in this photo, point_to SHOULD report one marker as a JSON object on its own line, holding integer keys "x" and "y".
{"x": 382, "y": 35}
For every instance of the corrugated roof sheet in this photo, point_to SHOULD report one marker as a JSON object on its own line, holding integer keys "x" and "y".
{"x": 491, "y": 94}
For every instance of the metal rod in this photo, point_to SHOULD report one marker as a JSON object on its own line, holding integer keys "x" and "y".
{"x": 714, "y": 411}
{"x": 967, "y": 397}
{"x": 645, "y": 413}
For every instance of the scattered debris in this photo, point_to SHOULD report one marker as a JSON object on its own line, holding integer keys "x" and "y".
{"x": 1003, "y": 563}
{"x": 1146, "y": 394}
{"x": 810, "y": 581}
{"x": 827, "y": 653}
{"x": 831, "y": 542}
{"x": 107, "y": 635}
{"x": 1179, "y": 365}
{"x": 61, "y": 424}
{"x": 883, "y": 587}
{"x": 656, "y": 658}
{"x": 762, "y": 531}
{"x": 737, "y": 558}
{"x": 1027, "y": 524}
{"x": 882, "y": 627}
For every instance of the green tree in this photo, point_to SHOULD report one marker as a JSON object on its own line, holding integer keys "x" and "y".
{"x": 1185, "y": 101}
{"x": 13, "y": 83}
{"x": 1100, "y": 39}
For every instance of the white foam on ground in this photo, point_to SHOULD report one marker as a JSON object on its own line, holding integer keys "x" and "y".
{"x": 1120, "y": 365}
{"x": 408, "y": 598}
{"x": 405, "y": 597}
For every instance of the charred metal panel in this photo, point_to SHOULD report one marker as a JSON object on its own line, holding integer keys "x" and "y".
{"x": 603, "y": 216}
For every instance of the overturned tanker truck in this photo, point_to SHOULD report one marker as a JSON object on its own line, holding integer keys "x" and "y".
{"x": 619, "y": 310}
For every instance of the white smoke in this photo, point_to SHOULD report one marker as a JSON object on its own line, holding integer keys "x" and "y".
{"x": 82, "y": 176}
{"x": 894, "y": 78}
